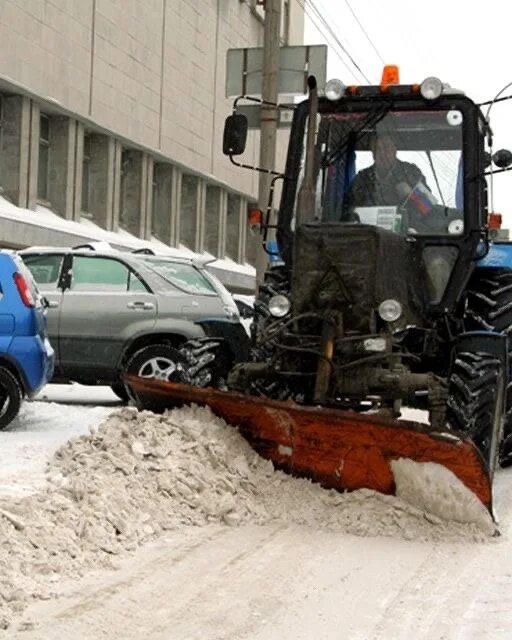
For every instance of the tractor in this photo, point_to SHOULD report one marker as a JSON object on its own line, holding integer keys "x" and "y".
{"x": 391, "y": 289}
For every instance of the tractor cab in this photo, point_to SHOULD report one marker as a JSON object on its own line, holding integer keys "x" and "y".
{"x": 406, "y": 159}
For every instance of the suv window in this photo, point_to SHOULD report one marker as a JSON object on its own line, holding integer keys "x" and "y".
{"x": 45, "y": 269}
{"x": 103, "y": 274}
{"x": 182, "y": 275}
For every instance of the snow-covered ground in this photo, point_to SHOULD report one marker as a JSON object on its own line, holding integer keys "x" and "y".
{"x": 42, "y": 426}
{"x": 232, "y": 550}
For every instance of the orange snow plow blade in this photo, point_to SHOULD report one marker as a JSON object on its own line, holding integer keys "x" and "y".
{"x": 341, "y": 450}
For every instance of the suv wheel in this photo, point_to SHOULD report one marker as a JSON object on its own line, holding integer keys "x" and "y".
{"x": 159, "y": 361}
{"x": 10, "y": 397}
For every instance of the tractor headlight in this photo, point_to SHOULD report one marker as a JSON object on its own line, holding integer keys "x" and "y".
{"x": 390, "y": 310}
{"x": 456, "y": 227}
{"x": 334, "y": 89}
{"x": 431, "y": 88}
{"x": 279, "y": 306}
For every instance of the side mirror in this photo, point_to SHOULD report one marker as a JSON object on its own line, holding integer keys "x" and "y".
{"x": 502, "y": 158}
{"x": 235, "y": 135}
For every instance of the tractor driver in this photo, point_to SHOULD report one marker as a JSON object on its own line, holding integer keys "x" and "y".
{"x": 388, "y": 182}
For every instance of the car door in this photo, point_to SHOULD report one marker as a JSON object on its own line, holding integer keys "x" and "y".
{"x": 46, "y": 269}
{"x": 105, "y": 304}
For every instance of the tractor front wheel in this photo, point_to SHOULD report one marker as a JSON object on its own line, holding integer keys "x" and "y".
{"x": 475, "y": 400}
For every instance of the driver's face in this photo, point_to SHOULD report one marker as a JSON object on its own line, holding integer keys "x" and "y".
{"x": 384, "y": 152}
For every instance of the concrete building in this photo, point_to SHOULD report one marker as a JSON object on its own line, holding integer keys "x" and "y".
{"x": 111, "y": 119}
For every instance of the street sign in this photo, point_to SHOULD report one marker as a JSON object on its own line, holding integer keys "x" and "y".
{"x": 253, "y": 114}
{"x": 244, "y": 70}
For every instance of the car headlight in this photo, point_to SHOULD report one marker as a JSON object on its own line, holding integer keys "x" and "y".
{"x": 390, "y": 310}
{"x": 334, "y": 89}
{"x": 431, "y": 88}
{"x": 279, "y": 306}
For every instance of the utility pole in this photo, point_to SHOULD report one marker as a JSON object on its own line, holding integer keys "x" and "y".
{"x": 269, "y": 115}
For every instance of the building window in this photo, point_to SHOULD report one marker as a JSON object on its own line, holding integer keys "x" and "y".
{"x": 212, "y": 220}
{"x": 161, "y": 202}
{"x": 123, "y": 182}
{"x": 233, "y": 226}
{"x": 285, "y": 23}
{"x": 188, "y": 210}
{"x": 44, "y": 152}
{"x": 252, "y": 237}
{"x": 155, "y": 199}
{"x": 86, "y": 174}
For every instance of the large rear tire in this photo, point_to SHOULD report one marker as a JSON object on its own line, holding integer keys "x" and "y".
{"x": 489, "y": 308}
{"x": 489, "y": 301}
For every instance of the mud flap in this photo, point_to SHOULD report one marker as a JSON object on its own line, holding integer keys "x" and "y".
{"x": 343, "y": 450}
{"x": 495, "y": 344}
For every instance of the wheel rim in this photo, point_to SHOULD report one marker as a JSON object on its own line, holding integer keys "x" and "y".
{"x": 160, "y": 368}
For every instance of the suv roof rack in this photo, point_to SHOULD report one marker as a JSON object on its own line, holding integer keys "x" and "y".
{"x": 144, "y": 250}
{"x": 85, "y": 246}
{"x": 94, "y": 245}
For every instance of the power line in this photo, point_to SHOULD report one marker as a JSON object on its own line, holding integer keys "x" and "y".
{"x": 318, "y": 20}
{"x": 364, "y": 31}
{"x": 338, "y": 41}
{"x": 320, "y": 30}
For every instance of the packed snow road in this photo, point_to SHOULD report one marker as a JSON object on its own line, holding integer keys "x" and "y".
{"x": 288, "y": 581}
{"x": 208, "y": 542}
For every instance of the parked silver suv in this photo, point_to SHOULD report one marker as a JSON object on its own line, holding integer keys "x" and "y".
{"x": 114, "y": 311}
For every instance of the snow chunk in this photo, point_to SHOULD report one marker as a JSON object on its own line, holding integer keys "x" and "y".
{"x": 437, "y": 490}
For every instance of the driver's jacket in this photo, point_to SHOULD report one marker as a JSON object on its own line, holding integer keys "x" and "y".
{"x": 370, "y": 190}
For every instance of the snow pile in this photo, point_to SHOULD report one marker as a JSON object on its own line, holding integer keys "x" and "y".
{"x": 140, "y": 474}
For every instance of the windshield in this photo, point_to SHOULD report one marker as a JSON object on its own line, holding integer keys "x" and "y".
{"x": 182, "y": 275}
{"x": 400, "y": 170}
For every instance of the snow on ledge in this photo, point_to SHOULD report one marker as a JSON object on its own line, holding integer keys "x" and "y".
{"x": 46, "y": 219}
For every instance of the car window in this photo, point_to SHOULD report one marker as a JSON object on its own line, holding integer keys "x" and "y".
{"x": 103, "y": 274}
{"x": 45, "y": 269}
{"x": 181, "y": 274}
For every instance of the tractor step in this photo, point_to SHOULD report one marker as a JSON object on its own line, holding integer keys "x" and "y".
{"x": 341, "y": 450}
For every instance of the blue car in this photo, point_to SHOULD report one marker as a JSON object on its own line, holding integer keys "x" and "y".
{"x": 26, "y": 356}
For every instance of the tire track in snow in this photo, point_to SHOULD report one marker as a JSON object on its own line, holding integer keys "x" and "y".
{"x": 472, "y": 582}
